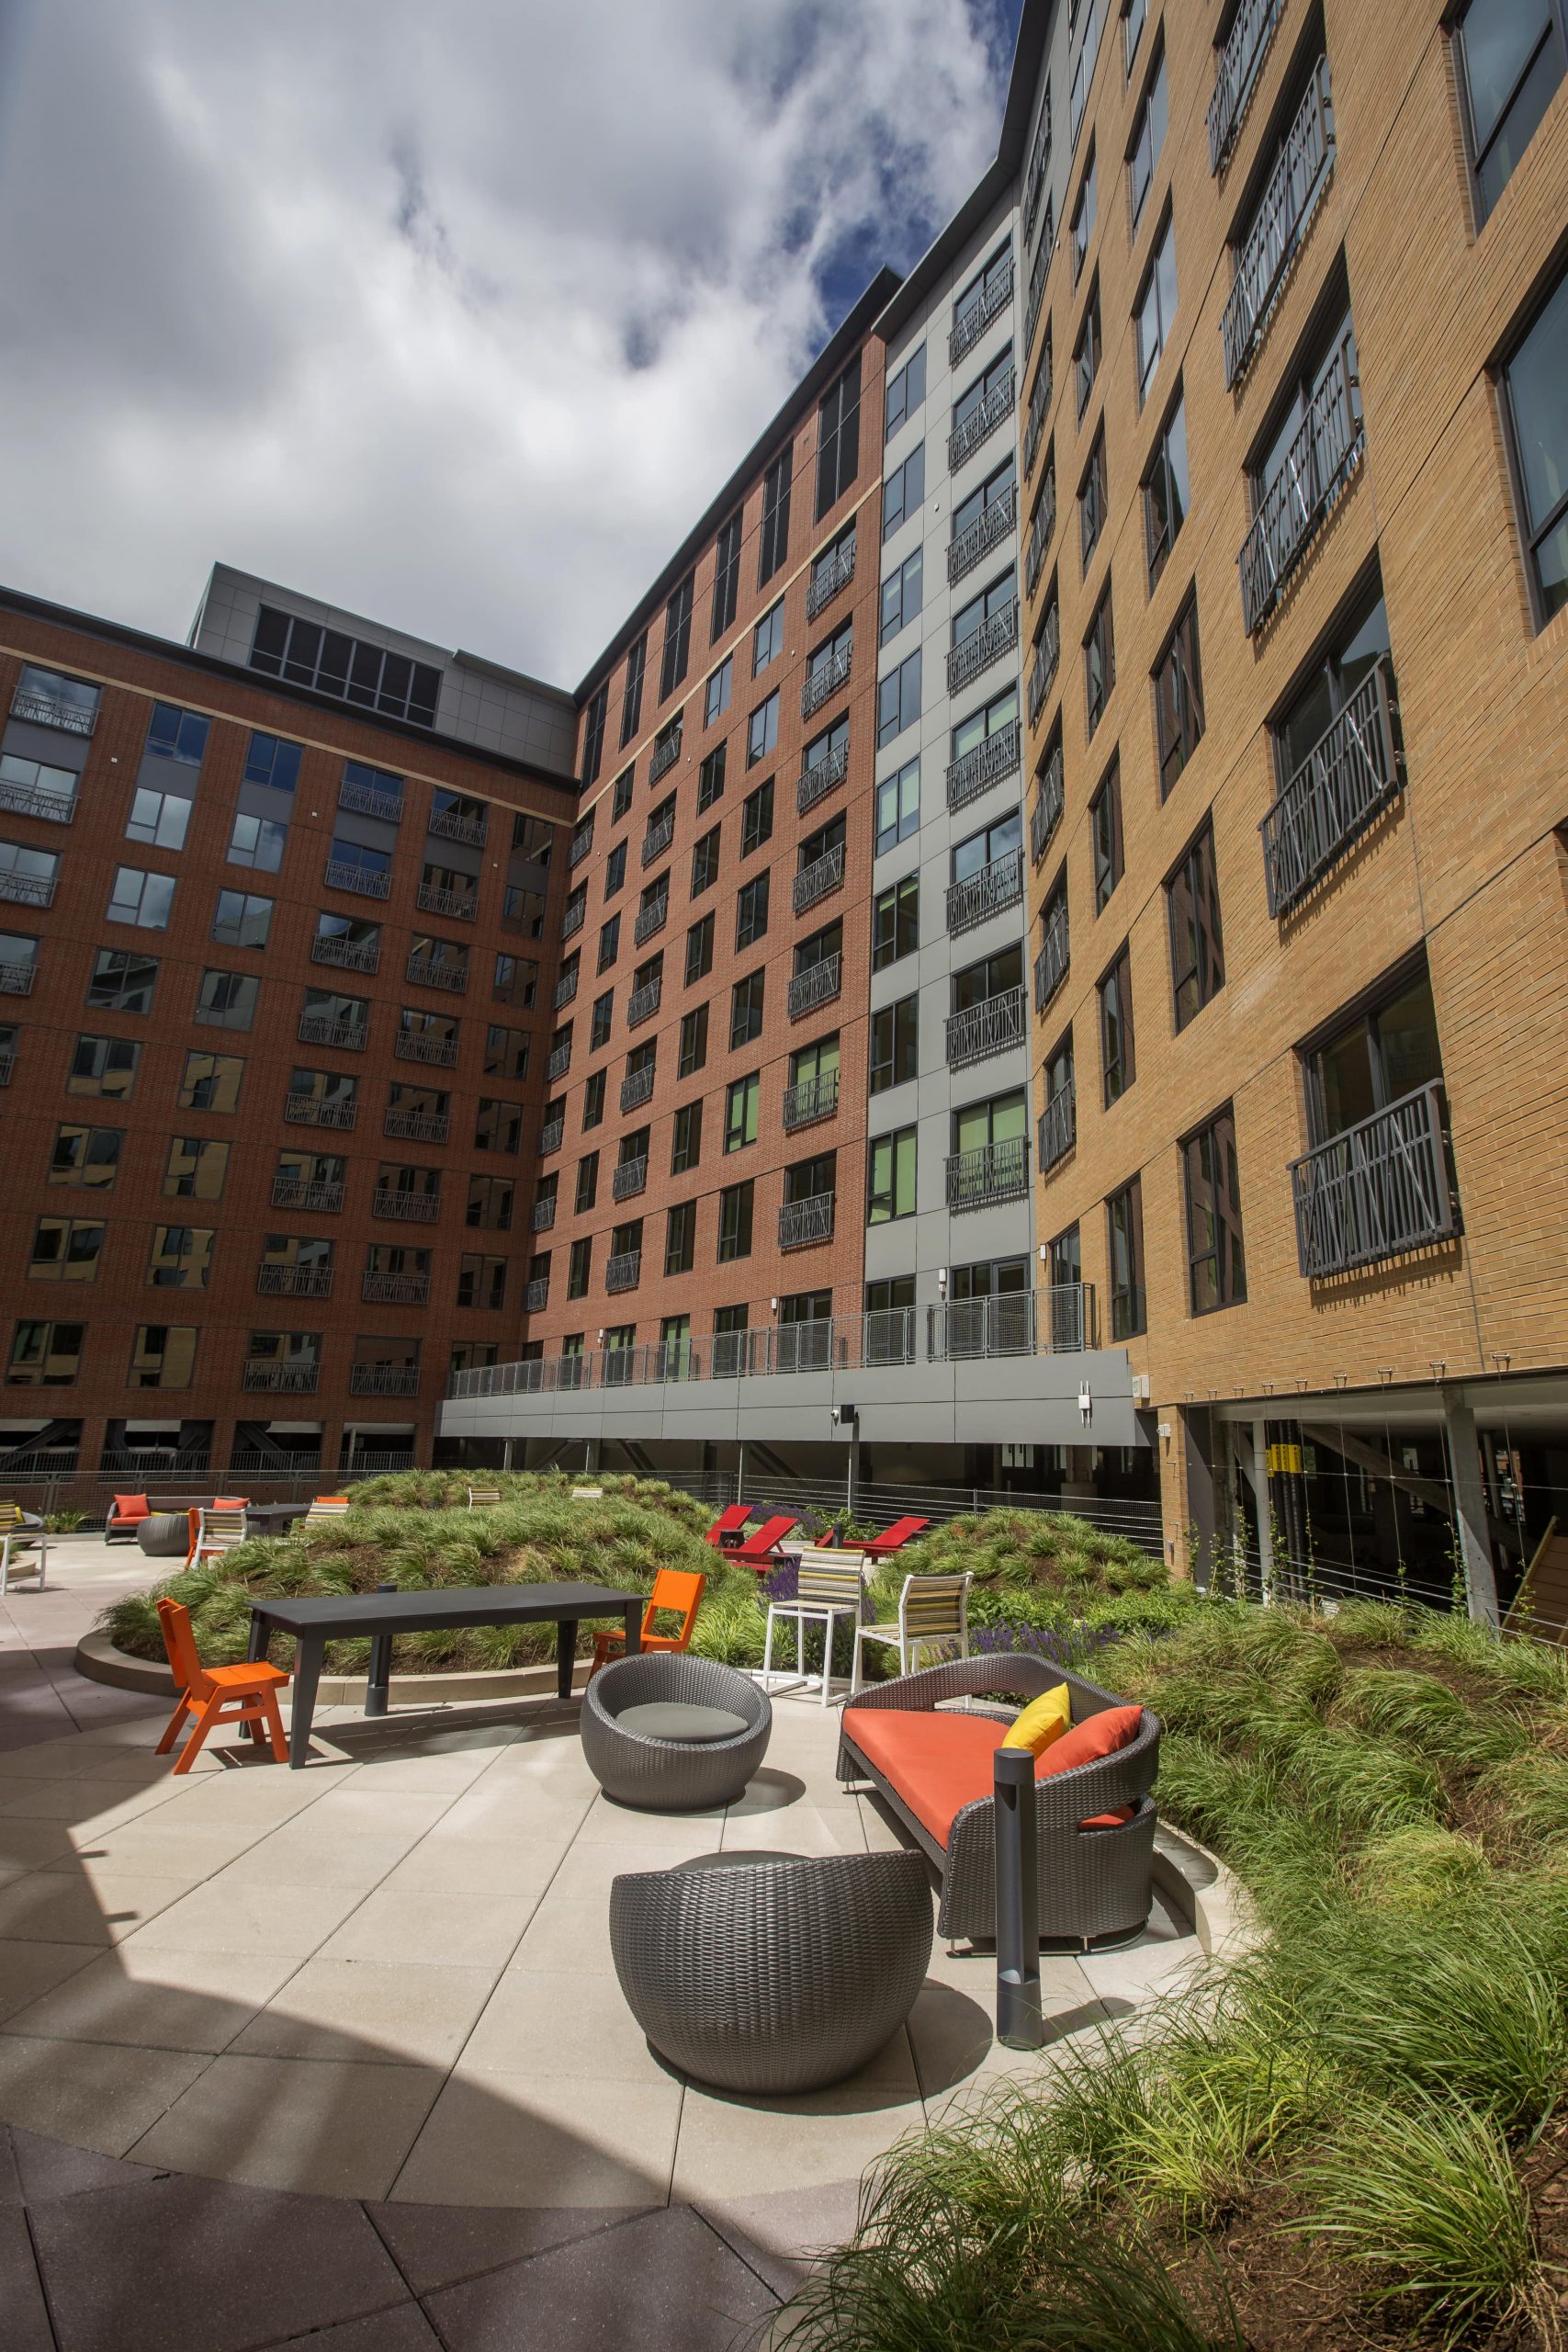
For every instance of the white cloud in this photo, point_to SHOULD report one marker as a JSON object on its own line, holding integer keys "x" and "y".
{"x": 457, "y": 316}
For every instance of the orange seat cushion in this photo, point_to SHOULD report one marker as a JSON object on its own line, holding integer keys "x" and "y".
{"x": 940, "y": 1763}
{"x": 132, "y": 1507}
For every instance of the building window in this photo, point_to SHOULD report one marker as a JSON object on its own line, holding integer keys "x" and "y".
{"x": 593, "y": 1100}
{"x": 211, "y": 1082}
{"x": 740, "y": 1104}
{"x": 838, "y": 438}
{"x": 489, "y": 1206}
{"x": 1085, "y": 352}
{"x": 498, "y": 1126}
{"x": 66, "y": 1249}
{"x": 357, "y": 671}
{"x": 274, "y": 762}
{"x": 621, "y": 797}
{"x": 586, "y": 1196}
{"x": 894, "y": 1044}
{"x": 1156, "y": 307}
{"x": 146, "y": 899}
{"x": 710, "y": 778}
{"x": 773, "y": 535}
{"x": 1124, "y": 1238}
{"x": 1083, "y": 217}
{"x": 46, "y": 1355}
{"x": 86, "y": 1156}
{"x": 693, "y": 1051}
{"x": 715, "y": 694}
{"x": 757, "y": 818}
{"x": 904, "y": 490}
{"x": 677, "y": 639}
{"x": 1148, "y": 137}
{"x": 897, "y": 807}
{"x": 196, "y": 1169}
{"x": 157, "y": 818}
{"x": 686, "y": 1149}
{"x": 898, "y": 699}
{"x": 901, "y": 596}
{"x": 631, "y": 692}
{"x": 1216, "y": 1266}
{"x": 104, "y": 1066}
{"x": 1118, "y": 1060}
{"x": 746, "y": 1011}
{"x": 481, "y": 1281}
{"x": 1100, "y": 661}
{"x": 768, "y": 639}
{"x": 890, "y": 1185}
{"x": 601, "y": 1021}
{"x": 1134, "y": 15}
{"x": 895, "y": 922}
{"x": 181, "y": 1256}
{"x": 752, "y": 911}
{"x": 1105, "y": 834}
{"x": 906, "y": 390}
{"x": 1371, "y": 1063}
{"x": 505, "y": 1050}
{"x": 1092, "y": 495}
{"x": 735, "y": 1221}
{"x": 726, "y": 577}
{"x": 162, "y": 1355}
{"x": 257, "y": 842}
{"x": 705, "y": 862}
{"x": 1197, "y": 956}
{"x": 762, "y": 731}
{"x": 615, "y": 870}
{"x": 1083, "y": 71}
{"x": 1179, "y": 698}
{"x": 1166, "y": 494}
{"x": 1511, "y": 58}
{"x": 1532, "y": 382}
{"x": 517, "y": 977}
{"x": 593, "y": 734}
{"x": 579, "y": 1267}
{"x": 609, "y": 943}
{"x": 241, "y": 921}
{"x": 177, "y": 734}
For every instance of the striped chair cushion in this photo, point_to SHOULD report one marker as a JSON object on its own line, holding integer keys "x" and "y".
{"x": 934, "y": 1605}
{"x": 838, "y": 1582}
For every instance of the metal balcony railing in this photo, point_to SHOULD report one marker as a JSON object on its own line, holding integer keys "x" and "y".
{"x": 458, "y": 905}
{"x": 365, "y": 881}
{"x": 1055, "y": 955}
{"x": 551, "y": 1135}
{"x": 368, "y": 800}
{"x": 418, "y": 1126}
{"x": 1376, "y": 1190}
{"x": 543, "y": 1213}
{"x": 383, "y": 1380}
{"x": 982, "y": 421}
{"x": 1235, "y": 72}
{"x": 643, "y": 1003}
{"x": 1040, "y": 531}
{"x": 636, "y": 1087}
{"x": 989, "y": 1027}
{"x": 565, "y": 988}
{"x": 802, "y": 1223}
{"x": 630, "y": 1178}
{"x": 1044, "y": 665}
{"x": 976, "y": 315}
{"x": 293, "y": 1379}
{"x": 993, "y": 1174}
{"x": 1057, "y": 1320}
{"x": 997, "y": 635}
{"x": 346, "y": 955}
{"x": 457, "y": 825}
{"x": 28, "y": 889}
{"x": 1058, "y": 1127}
{"x": 666, "y": 752}
{"x": 1047, "y": 812}
{"x": 537, "y": 1295}
{"x": 818, "y": 984}
{"x": 559, "y": 1061}
{"x": 829, "y": 580}
{"x": 295, "y": 1282}
{"x": 1289, "y": 201}
{"x": 1034, "y": 422}
{"x": 818, "y": 880}
{"x": 1353, "y": 771}
{"x": 413, "y": 1208}
{"x": 430, "y": 972}
{"x": 17, "y": 980}
{"x": 1039, "y": 164}
{"x": 305, "y": 1110}
{"x": 300, "y": 1193}
{"x": 825, "y": 678}
{"x": 578, "y": 847}
{"x": 651, "y": 918}
{"x": 27, "y": 801}
{"x": 811, "y": 1100}
{"x": 411, "y": 1045}
{"x": 1035, "y": 300}
{"x": 320, "y": 1029}
{"x": 990, "y": 892}
{"x": 988, "y": 530}
{"x": 658, "y": 838}
{"x": 800, "y": 1347}
{"x": 573, "y": 916}
{"x": 1294, "y": 505}
{"x": 976, "y": 770}
{"x": 395, "y": 1290}
{"x": 50, "y": 710}
{"x": 816, "y": 782}
{"x": 622, "y": 1270}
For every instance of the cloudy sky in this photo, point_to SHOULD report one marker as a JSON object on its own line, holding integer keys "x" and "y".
{"x": 456, "y": 315}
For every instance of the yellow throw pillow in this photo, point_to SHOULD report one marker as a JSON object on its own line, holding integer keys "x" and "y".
{"x": 1042, "y": 1721}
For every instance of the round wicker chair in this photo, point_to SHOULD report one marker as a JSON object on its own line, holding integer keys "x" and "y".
{"x": 773, "y": 1972}
{"x": 669, "y": 1775}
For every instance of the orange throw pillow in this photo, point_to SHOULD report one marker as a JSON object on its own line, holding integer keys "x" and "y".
{"x": 132, "y": 1507}
{"x": 1096, "y": 1736}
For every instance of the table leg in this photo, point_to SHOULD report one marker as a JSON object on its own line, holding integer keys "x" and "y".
{"x": 633, "y": 1629}
{"x": 376, "y": 1691}
{"x": 307, "y": 1675}
{"x": 566, "y": 1656}
{"x": 255, "y": 1651}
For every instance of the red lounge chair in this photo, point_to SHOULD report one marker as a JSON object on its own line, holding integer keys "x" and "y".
{"x": 761, "y": 1551}
{"x": 894, "y": 1538}
{"x": 725, "y": 1533}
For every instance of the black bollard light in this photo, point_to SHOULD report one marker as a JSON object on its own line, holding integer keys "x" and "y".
{"x": 377, "y": 1690}
{"x": 1020, "y": 2025}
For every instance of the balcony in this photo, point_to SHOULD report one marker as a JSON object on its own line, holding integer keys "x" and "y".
{"x": 974, "y": 653}
{"x": 977, "y": 316}
{"x": 630, "y": 1178}
{"x": 984, "y": 765}
{"x": 418, "y": 1126}
{"x": 819, "y": 879}
{"x": 812, "y": 1098}
{"x": 295, "y": 1282}
{"x": 1058, "y": 1127}
{"x": 558, "y": 1061}
{"x": 370, "y": 800}
{"x": 302, "y": 1193}
{"x": 1055, "y": 955}
{"x": 428, "y": 972}
{"x": 623, "y": 1272}
{"x": 637, "y": 1087}
{"x": 27, "y": 801}
{"x": 551, "y": 1136}
{"x": 363, "y": 881}
{"x": 457, "y": 905}
{"x": 578, "y": 847}
{"x": 824, "y": 679}
{"x": 537, "y": 1295}
{"x": 412, "y": 1208}
{"x": 816, "y": 783}
{"x": 990, "y": 1028}
{"x": 827, "y": 581}
{"x": 455, "y": 825}
{"x": 1289, "y": 201}
{"x": 1350, "y": 774}
{"x": 573, "y": 916}
{"x": 643, "y": 1003}
{"x": 53, "y": 710}
{"x": 990, "y": 892}
{"x": 320, "y": 1029}
{"x": 1295, "y": 505}
{"x": 395, "y": 1290}
{"x": 651, "y": 919}
{"x": 17, "y": 980}
{"x": 658, "y": 838}
{"x": 305, "y": 1110}
{"x": 346, "y": 955}
{"x": 411, "y": 1045}
{"x": 565, "y": 989}
{"x": 985, "y": 1178}
{"x": 292, "y": 1379}
{"x": 1034, "y": 422}
{"x": 982, "y": 421}
{"x": 383, "y": 1380}
{"x": 1036, "y": 296}
{"x": 1046, "y": 813}
{"x": 1054, "y": 1321}
{"x": 28, "y": 889}
{"x": 666, "y": 752}
{"x": 1040, "y": 531}
{"x": 803, "y": 1223}
{"x": 1236, "y": 70}
{"x": 818, "y": 984}
{"x": 543, "y": 1213}
{"x": 987, "y": 531}
{"x": 1378, "y": 1189}
{"x": 1046, "y": 659}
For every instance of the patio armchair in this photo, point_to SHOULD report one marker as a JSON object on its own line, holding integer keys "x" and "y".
{"x": 326, "y": 1507}
{"x": 21, "y": 1532}
{"x": 831, "y": 1585}
{"x": 246, "y": 1695}
{"x": 217, "y": 1527}
{"x": 932, "y": 1610}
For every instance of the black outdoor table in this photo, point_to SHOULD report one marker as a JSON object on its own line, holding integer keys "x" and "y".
{"x": 324, "y": 1618}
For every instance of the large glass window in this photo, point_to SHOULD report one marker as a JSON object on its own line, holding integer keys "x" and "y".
{"x": 898, "y": 699}
{"x": 895, "y": 922}
{"x": 1216, "y": 1262}
{"x": 1156, "y": 307}
{"x": 904, "y": 392}
{"x": 773, "y": 538}
{"x": 1179, "y": 698}
{"x": 904, "y": 490}
{"x": 890, "y": 1190}
{"x": 1118, "y": 1059}
{"x": 1148, "y": 137}
{"x": 1374, "y": 1060}
{"x": 838, "y": 438}
{"x": 740, "y": 1105}
{"x": 1197, "y": 956}
{"x": 146, "y": 899}
{"x": 897, "y": 806}
{"x": 894, "y": 1044}
{"x": 1105, "y": 835}
{"x": 1536, "y": 384}
{"x": 1124, "y": 1240}
{"x": 1165, "y": 493}
{"x": 901, "y": 596}
{"x": 1511, "y": 59}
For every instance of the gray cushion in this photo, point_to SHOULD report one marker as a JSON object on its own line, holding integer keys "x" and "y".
{"x": 668, "y": 1719}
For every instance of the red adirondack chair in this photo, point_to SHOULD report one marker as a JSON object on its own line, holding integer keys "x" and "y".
{"x": 893, "y": 1539}
{"x": 761, "y": 1550}
{"x": 725, "y": 1533}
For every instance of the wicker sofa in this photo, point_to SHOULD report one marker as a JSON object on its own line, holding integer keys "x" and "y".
{"x": 1094, "y": 1825}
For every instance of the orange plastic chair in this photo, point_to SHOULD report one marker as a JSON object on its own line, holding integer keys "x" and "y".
{"x": 216, "y": 1694}
{"x": 678, "y": 1590}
